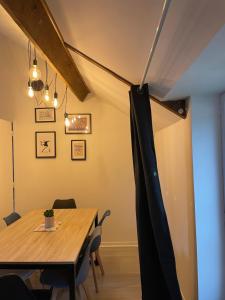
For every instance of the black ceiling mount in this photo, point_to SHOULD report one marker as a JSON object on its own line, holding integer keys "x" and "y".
{"x": 179, "y": 107}
{"x": 37, "y": 85}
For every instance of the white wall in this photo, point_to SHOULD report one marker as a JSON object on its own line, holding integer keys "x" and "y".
{"x": 209, "y": 201}
{"x": 174, "y": 156}
{"x": 104, "y": 181}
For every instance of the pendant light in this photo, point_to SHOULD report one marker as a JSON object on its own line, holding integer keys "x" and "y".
{"x": 66, "y": 116}
{"x": 46, "y": 90}
{"x": 35, "y": 73}
{"x": 30, "y": 90}
{"x": 55, "y": 99}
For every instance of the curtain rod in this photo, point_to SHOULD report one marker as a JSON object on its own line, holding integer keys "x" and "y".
{"x": 156, "y": 39}
{"x": 125, "y": 81}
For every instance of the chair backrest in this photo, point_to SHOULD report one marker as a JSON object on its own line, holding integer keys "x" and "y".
{"x": 64, "y": 203}
{"x": 12, "y": 287}
{"x": 96, "y": 238}
{"x": 107, "y": 213}
{"x": 85, "y": 263}
{"x": 13, "y": 217}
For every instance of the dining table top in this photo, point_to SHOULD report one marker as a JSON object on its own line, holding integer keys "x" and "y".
{"x": 21, "y": 244}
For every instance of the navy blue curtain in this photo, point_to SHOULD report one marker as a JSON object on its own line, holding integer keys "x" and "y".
{"x": 157, "y": 261}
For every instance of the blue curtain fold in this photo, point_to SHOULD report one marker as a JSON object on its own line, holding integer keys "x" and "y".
{"x": 157, "y": 261}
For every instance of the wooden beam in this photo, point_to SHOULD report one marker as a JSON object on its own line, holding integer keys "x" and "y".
{"x": 36, "y": 21}
{"x": 178, "y": 107}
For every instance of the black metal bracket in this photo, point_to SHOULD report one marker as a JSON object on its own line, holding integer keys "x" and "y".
{"x": 179, "y": 107}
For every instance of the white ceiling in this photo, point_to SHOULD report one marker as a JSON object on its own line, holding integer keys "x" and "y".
{"x": 207, "y": 74}
{"x": 119, "y": 34}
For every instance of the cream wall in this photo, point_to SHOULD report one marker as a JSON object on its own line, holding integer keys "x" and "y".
{"x": 174, "y": 156}
{"x": 104, "y": 180}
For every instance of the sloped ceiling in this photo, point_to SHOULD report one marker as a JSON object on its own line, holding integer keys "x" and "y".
{"x": 119, "y": 35}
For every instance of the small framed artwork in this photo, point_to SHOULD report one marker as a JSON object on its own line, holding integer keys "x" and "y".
{"x": 45, "y": 115}
{"x": 45, "y": 144}
{"x": 79, "y": 123}
{"x": 78, "y": 150}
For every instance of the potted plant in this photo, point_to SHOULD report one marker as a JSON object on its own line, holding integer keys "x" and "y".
{"x": 49, "y": 218}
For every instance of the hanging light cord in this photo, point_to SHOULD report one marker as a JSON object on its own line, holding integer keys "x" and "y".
{"x": 29, "y": 54}
{"x": 66, "y": 100}
{"x": 55, "y": 81}
{"x": 63, "y": 99}
{"x": 46, "y": 72}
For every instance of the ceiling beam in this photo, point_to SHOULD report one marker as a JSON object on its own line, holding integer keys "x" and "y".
{"x": 36, "y": 21}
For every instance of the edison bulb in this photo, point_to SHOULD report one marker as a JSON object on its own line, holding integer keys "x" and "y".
{"x": 35, "y": 72}
{"x": 67, "y": 122}
{"x": 55, "y": 100}
{"x": 30, "y": 90}
{"x": 46, "y": 93}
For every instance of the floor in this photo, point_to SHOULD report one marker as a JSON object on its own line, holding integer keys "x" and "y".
{"x": 121, "y": 280}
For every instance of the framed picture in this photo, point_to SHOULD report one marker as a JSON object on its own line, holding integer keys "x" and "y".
{"x": 45, "y": 144}
{"x": 79, "y": 123}
{"x": 45, "y": 115}
{"x": 78, "y": 150}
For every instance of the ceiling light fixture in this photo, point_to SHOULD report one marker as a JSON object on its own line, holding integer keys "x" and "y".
{"x": 66, "y": 116}
{"x": 55, "y": 100}
{"x": 35, "y": 73}
{"x": 30, "y": 90}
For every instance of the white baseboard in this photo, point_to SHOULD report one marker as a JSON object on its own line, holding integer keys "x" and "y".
{"x": 123, "y": 245}
{"x": 119, "y": 244}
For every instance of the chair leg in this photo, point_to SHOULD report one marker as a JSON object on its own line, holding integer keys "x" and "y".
{"x": 85, "y": 291}
{"x": 54, "y": 294}
{"x": 99, "y": 262}
{"x": 94, "y": 274}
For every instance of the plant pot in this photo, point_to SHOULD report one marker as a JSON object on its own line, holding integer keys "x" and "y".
{"x": 49, "y": 222}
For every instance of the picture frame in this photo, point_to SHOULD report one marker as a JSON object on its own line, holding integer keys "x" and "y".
{"x": 45, "y": 144}
{"x": 45, "y": 115}
{"x": 78, "y": 150}
{"x": 79, "y": 124}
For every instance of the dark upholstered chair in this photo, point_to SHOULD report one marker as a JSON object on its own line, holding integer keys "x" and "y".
{"x": 13, "y": 217}
{"x": 60, "y": 278}
{"x": 12, "y": 287}
{"x": 64, "y": 203}
{"x": 95, "y": 248}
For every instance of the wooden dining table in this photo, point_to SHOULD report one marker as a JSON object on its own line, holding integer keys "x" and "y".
{"x": 21, "y": 247}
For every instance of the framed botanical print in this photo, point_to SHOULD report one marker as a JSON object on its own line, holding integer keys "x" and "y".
{"x": 45, "y": 144}
{"x": 78, "y": 150}
{"x": 78, "y": 123}
{"x": 45, "y": 115}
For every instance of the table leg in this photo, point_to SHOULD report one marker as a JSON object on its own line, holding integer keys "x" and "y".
{"x": 72, "y": 285}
